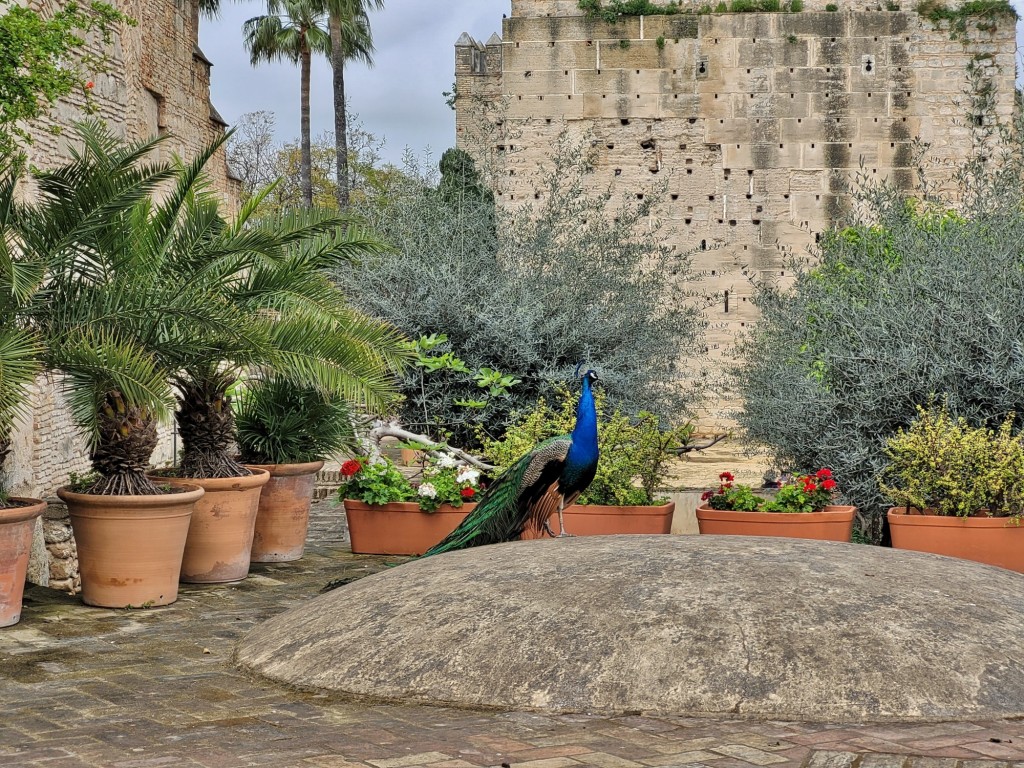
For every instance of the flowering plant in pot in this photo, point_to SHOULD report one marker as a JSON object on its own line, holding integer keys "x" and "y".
{"x": 388, "y": 515}
{"x": 959, "y": 489}
{"x": 801, "y": 507}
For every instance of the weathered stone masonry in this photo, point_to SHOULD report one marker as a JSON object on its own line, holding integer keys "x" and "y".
{"x": 754, "y": 122}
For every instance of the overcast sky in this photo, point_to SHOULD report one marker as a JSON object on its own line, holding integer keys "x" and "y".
{"x": 399, "y": 99}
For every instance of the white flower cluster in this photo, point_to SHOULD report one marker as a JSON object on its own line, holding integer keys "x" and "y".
{"x": 447, "y": 462}
{"x": 426, "y": 489}
{"x": 468, "y": 475}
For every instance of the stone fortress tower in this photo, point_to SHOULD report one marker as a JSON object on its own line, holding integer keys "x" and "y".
{"x": 754, "y": 122}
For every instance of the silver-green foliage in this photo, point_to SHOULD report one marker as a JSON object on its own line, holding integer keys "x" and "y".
{"x": 569, "y": 276}
{"x": 912, "y": 302}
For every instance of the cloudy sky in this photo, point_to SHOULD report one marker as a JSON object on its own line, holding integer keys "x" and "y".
{"x": 399, "y": 99}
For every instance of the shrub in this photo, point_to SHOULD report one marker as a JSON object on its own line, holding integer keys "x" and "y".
{"x": 281, "y": 422}
{"x": 913, "y": 300}
{"x": 943, "y": 464}
{"x": 529, "y": 292}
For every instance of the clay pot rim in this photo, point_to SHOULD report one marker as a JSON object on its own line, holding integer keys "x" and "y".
{"x": 290, "y": 470}
{"x": 34, "y": 508}
{"x": 899, "y": 516}
{"x": 831, "y": 512}
{"x": 260, "y": 477}
{"x": 406, "y": 506}
{"x": 620, "y": 509}
{"x": 189, "y": 495}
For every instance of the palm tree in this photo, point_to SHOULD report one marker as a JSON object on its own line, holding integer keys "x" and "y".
{"x": 351, "y": 39}
{"x": 292, "y": 30}
{"x": 140, "y": 293}
{"x": 20, "y": 350}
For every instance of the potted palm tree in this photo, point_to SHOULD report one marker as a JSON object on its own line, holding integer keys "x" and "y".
{"x": 296, "y": 325}
{"x": 288, "y": 430}
{"x": 104, "y": 305}
{"x": 20, "y": 362}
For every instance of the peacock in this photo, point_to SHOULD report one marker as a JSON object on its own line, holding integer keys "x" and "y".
{"x": 548, "y": 478}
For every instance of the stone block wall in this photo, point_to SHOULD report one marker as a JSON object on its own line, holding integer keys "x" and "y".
{"x": 751, "y": 125}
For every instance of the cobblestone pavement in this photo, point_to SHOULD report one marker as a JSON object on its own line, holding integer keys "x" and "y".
{"x": 132, "y": 689}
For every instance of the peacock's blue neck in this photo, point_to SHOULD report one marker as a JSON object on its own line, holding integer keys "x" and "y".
{"x": 584, "y": 435}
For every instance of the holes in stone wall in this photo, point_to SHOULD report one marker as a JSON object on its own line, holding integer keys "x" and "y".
{"x": 624, "y": 121}
{"x": 618, "y": 171}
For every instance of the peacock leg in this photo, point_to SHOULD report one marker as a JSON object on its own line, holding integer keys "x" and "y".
{"x": 547, "y": 530}
{"x": 561, "y": 521}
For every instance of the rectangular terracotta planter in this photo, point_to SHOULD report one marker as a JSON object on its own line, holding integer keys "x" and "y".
{"x": 600, "y": 520}
{"x": 399, "y": 528}
{"x": 991, "y": 540}
{"x": 834, "y": 523}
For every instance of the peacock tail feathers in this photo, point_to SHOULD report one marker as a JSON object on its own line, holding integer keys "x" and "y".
{"x": 504, "y": 508}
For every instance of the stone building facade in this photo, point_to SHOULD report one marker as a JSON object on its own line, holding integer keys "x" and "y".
{"x": 751, "y": 124}
{"x": 156, "y": 81}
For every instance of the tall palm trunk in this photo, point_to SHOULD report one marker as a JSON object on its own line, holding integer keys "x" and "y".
{"x": 306, "y": 163}
{"x": 340, "y": 118}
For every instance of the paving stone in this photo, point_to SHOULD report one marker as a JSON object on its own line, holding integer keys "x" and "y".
{"x": 84, "y": 687}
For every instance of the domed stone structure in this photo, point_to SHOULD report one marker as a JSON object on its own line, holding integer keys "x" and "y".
{"x": 775, "y": 628}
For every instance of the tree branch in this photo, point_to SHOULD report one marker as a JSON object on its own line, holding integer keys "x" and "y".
{"x": 433, "y": 447}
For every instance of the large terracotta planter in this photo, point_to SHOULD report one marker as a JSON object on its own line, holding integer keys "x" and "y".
{"x": 399, "y": 528}
{"x": 834, "y": 523}
{"x": 599, "y": 520}
{"x": 991, "y": 540}
{"x": 220, "y": 535}
{"x": 16, "y": 526}
{"x": 130, "y": 547}
{"x": 282, "y": 520}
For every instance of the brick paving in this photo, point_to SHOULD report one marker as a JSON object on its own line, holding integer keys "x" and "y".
{"x": 156, "y": 688}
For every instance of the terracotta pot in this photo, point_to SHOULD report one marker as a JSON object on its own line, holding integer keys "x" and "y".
{"x": 399, "y": 528}
{"x": 283, "y": 516}
{"x": 991, "y": 540}
{"x": 16, "y": 526}
{"x": 599, "y": 520}
{"x": 834, "y": 523}
{"x": 130, "y": 547}
{"x": 220, "y": 534}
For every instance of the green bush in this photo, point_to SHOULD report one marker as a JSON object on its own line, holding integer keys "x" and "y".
{"x": 280, "y": 422}
{"x": 529, "y": 292}
{"x": 912, "y": 302}
{"x": 943, "y": 464}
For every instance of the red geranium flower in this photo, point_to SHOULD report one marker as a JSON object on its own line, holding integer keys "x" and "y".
{"x": 89, "y": 85}
{"x": 824, "y": 473}
{"x": 726, "y": 477}
{"x": 468, "y": 493}
{"x": 350, "y": 468}
{"x": 828, "y": 484}
{"x": 706, "y": 495}
{"x": 809, "y": 486}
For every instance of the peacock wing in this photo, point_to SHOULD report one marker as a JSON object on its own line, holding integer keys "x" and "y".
{"x": 508, "y": 504}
